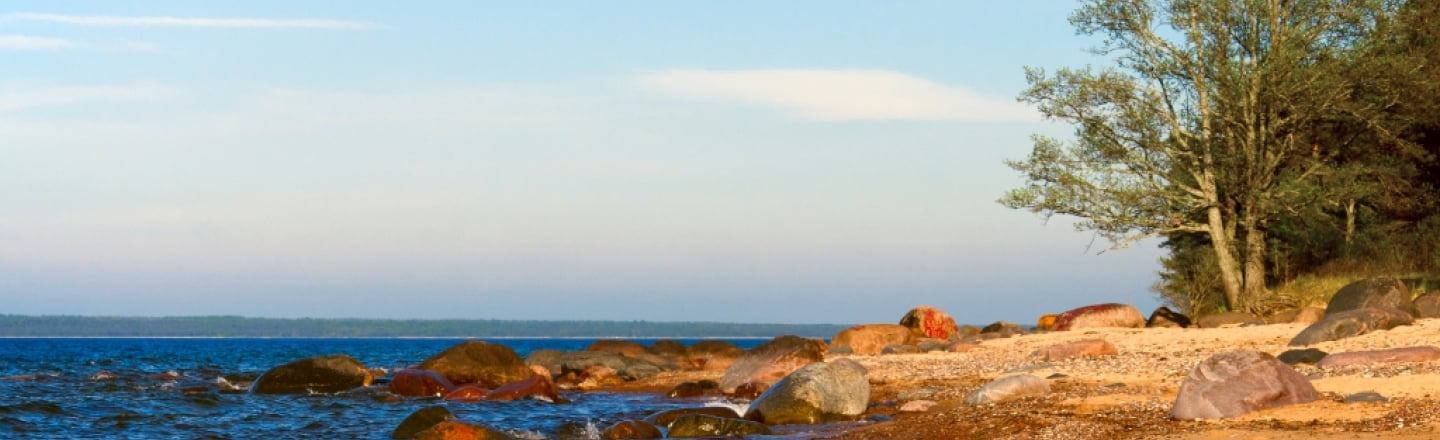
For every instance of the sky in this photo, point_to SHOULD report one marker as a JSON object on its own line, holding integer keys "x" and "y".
{"x": 738, "y": 161}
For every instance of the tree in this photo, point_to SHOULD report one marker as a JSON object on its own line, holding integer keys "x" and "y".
{"x": 1208, "y": 124}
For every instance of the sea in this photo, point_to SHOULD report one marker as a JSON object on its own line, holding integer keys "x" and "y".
{"x": 177, "y": 388}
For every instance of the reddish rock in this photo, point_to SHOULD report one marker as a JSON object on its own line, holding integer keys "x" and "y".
{"x": 748, "y": 391}
{"x": 453, "y": 430}
{"x": 482, "y": 363}
{"x": 1374, "y": 292}
{"x": 537, "y": 386}
{"x": 871, "y": 339}
{"x": 1163, "y": 317}
{"x": 694, "y": 389}
{"x": 467, "y": 393}
{"x": 627, "y": 348}
{"x": 1046, "y": 322}
{"x": 1227, "y": 319}
{"x": 421, "y": 420}
{"x": 1303, "y": 315}
{"x": 929, "y": 322}
{"x": 1100, "y": 315}
{"x": 321, "y": 374}
{"x": 1235, "y": 383}
{"x": 1393, "y": 355}
{"x": 414, "y": 382}
{"x": 631, "y": 429}
{"x": 1077, "y": 349}
{"x": 1351, "y": 323}
{"x": 665, "y": 418}
{"x": 669, "y": 349}
{"x": 772, "y": 360}
{"x": 1428, "y": 305}
{"x": 712, "y": 355}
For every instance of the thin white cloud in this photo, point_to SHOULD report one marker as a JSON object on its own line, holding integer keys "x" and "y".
{"x": 816, "y": 94}
{"x": 26, "y": 42}
{"x": 16, "y": 99}
{"x": 132, "y": 21}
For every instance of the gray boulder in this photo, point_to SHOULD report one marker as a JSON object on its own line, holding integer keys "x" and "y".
{"x": 1351, "y": 323}
{"x": 1238, "y": 382}
{"x": 1007, "y": 388}
{"x": 625, "y": 367}
{"x": 771, "y": 361}
{"x": 1374, "y": 292}
{"x": 817, "y": 393}
{"x": 1387, "y": 356}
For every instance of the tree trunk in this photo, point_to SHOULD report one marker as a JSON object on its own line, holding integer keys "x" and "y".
{"x": 1230, "y": 274}
{"x": 1349, "y": 222}
{"x": 1254, "y": 265}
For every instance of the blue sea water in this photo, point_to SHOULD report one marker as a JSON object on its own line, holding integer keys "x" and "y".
{"x": 167, "y": 388}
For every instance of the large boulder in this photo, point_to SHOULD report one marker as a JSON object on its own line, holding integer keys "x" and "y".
{"x": 1009, "y": 387}
{"x": 455, "y": 430}
{"x": 321, "y": 374}
{"x": 1163, "y": 317}
{"x": 712, "y": 355}
{"x": 540, "y": 387}
{"x": 771, "y": 361}
{"x": 420, "y": 420}
{"x": 618, "y": 346}
{"x": 1387, "y": 356}
{"x": 478, "y": 362}
{"x": 548, "y": 358}
{"x": 703, "y": 426}
{"x": 667, "y": 417}
{"x": 1077, "y": 349}
{"x": 1046, "y": 322}
{"x": 1100, "y": 315}
{"x": 1351, "y": 323}
{"x": 818, "y": 393}
{"x": 1428, "y": 305}
{"x": 414, "y": 382}
{"x": 669, "y": 349}
{"x": 929, "y": 322}
{"x": 1234, "y": 383}
{"x": 1227, "y": 319}
{"x": 870, "y": 339}
{"x": 1373, "y": 292}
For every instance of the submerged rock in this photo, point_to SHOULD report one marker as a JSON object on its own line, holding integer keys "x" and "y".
{"x": 667, "y": 417}
{"x": 631, "y": 429}
{"x": 453, "y": 430}
{"x": 414, "y": 382}
{"x": 321, "y": 374}
{"x": 421, "y": 420}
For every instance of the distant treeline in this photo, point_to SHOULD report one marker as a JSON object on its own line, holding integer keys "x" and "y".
{"x": 237, "y": 326}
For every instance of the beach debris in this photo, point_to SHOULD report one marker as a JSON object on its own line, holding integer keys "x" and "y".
{"x": 478, "y": 362}
{"x": 1234, "y": 383}
{"x": 817, "y": 393}
{"x": 1351, "y": 323}
{"x": 1009, "y": 387}
{"x": 1100, "y": 315}
{"x": 871, "y": 339}
{"x": 320, "y": 374}
{"x": 929, "y": 322}
{"x": 772, "y": 360}
{"x": 1392, "y": 355}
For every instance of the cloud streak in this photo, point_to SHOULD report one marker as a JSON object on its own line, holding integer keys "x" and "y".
{"x": 12, "y": 99}
{"x": 199, "y": 22}
{"x": 31, "y": 43}
{"x": 837, "y": 95}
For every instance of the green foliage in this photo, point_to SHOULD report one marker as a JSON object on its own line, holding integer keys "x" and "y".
{"x": 1189, "y": 278}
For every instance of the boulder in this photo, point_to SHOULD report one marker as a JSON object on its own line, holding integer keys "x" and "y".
{"x": 618, "y": 346}
{"x": 1100, "y": 315}
{"x": 748, "y": 391}
{"x": 1077, "y": 349}
{"x": 1238, "y": 382}
{"x": 1373, "y": 292}
{"x": 668, "y": 348}
{"x": 929, "y": 322}
{"x": 414, "y": 382}
{"x": 538, "y": 387}
{"x": 1163, "y": 317}
{"x": 1351, "y": 323}
{"x": 818, "y": 393}
{"x": 478, "y": 362}
{"x": 550, "y": 359}
{"x": 1224, "y": 319}
{"x": 712, "y": 355}
{"x": 1302, "y": 315}
{"x": 1387, "y": 356}
{"x": 321, "y": 374}
{"x": 667, "y": 417}
{"x": 453, "y": 430}
{"x": 1428, "y": 305}
{"x": 627, "y": 368}
{"x": 694, "y": 389}
{"x": 1009, "y": 387}
{"x": 631, "y": 429}
{"x": 421, "y": 420}
{"x": 703, "y": 426}
{"x": 1002, "y": 329}
{"x": 772, "y": 360}
{"x": 1046, "y": 322}
{"x": 870, "y": 339}
{"x": 467, "y": 393}
{"x": 1305, "y": 356}
{"x": 929, "y": 345}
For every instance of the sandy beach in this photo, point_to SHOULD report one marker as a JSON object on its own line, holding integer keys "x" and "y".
{"x": 1129, "y": 395}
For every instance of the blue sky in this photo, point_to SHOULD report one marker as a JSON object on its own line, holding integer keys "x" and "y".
{"x": 748, "y": 161}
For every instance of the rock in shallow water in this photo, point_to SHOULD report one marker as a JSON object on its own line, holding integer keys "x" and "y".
{"x": 819, "y": 392}
{"x": 321, "y": 374}
{"x": 699, "y": 425}
{"x": 478, "y": 362}
{"x": 421, "y": 420}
